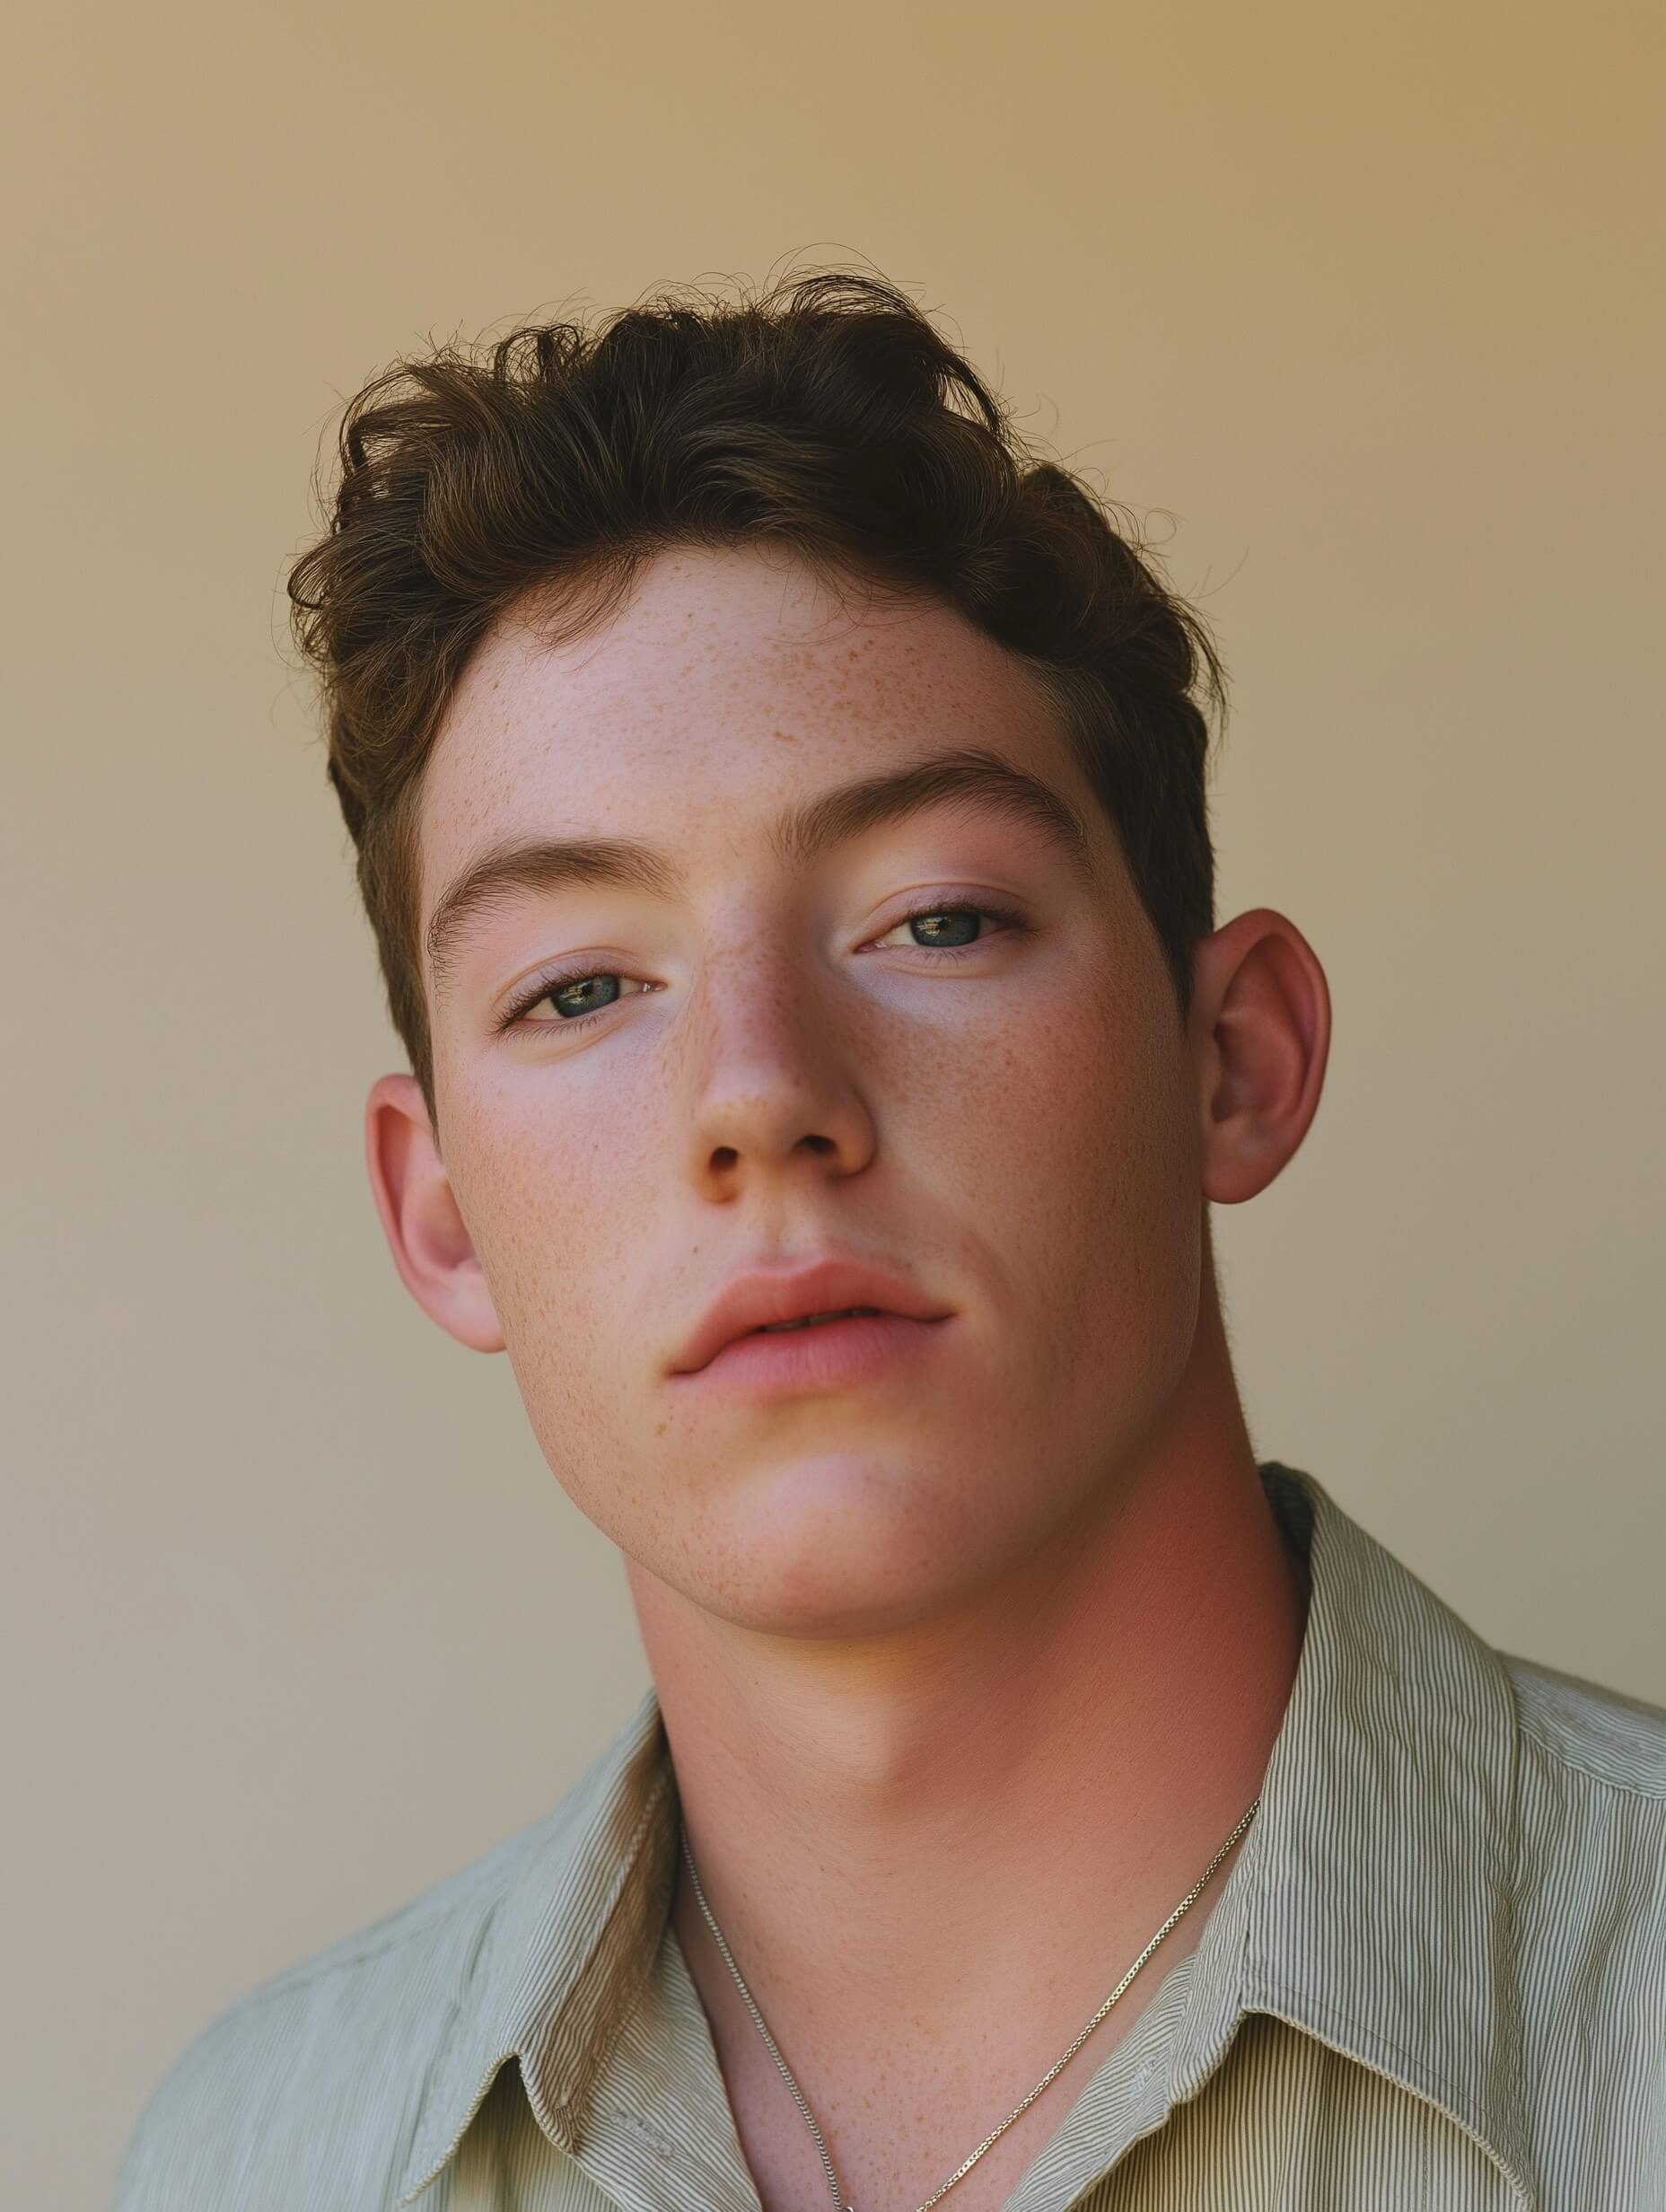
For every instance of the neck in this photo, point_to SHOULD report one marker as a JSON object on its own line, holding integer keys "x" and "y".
{"x": 1000, "y": 1808}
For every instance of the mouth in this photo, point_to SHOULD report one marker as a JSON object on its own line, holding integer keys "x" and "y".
{"x": 807, "y": 1320}
{"x": 861, "y": 1346}
{"x": 812, "y": 1303}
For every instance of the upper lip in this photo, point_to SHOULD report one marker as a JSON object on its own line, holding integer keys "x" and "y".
{"x": 762, "y": 1296}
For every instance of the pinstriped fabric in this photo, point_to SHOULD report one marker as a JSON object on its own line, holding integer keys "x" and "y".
{"x": 1434, "y": 1976}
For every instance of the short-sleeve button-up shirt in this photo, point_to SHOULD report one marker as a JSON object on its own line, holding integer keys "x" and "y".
{"x": 1434, "y": 1976}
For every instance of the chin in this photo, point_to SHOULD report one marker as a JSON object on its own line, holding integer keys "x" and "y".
{"x": 841, "y": 1552}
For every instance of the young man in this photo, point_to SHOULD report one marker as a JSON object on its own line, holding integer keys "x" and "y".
{"x": 780, "y": 804}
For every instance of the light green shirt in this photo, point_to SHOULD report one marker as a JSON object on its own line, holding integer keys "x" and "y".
{"x": 1433, "y": 1977}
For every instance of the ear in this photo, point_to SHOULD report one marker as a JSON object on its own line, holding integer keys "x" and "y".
{"x": 1260, "y": 1035}
{"x": 420, "y": 1217}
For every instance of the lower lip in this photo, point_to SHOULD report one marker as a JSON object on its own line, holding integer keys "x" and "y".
{"x": 829, "y": 1357}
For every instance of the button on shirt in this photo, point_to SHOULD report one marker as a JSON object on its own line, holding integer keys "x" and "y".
{"x": 1434, "y": 1976}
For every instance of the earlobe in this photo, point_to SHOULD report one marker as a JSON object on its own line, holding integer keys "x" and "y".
{"x": 1261, "y": 1015}
{"x": 420, "y": 1217}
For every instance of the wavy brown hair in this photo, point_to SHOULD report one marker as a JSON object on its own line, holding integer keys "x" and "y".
{"x": 827, "y": 415}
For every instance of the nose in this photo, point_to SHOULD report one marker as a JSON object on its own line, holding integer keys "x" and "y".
{"x": 773, "y": 1078}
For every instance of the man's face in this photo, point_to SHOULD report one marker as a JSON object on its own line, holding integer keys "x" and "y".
{"x": 778, "y": 1066}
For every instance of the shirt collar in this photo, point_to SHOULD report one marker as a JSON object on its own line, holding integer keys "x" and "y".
{"x": 1381, "y": 1915}
{"x": 1376, "y": 1880}
{"x": 566, "y": 1950}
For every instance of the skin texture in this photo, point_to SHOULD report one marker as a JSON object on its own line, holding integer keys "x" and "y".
{"x": 969, "y": 1670}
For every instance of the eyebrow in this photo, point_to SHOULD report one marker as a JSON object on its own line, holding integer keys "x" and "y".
{"x": 808, "y": 827}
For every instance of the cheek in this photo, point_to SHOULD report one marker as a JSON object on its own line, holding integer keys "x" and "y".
{"x": 552, "y": 1210}
{"x": 1092, "y": 1169}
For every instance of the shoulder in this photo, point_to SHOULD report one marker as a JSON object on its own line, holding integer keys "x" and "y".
{"x": 1588, "y": 1883}
{"x": 1594, "y": 1736}
{"x": 317, "y": 2070}
{"x": 1590, "y": 1804}
{"x": 1583, "y": 1907}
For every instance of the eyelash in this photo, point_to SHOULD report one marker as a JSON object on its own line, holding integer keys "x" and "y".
{"x": 542, "y": 988}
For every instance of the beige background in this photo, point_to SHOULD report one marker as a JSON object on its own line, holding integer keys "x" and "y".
{"x": 1368, "y": 302}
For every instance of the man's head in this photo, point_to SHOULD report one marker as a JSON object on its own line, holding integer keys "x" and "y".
{"x": 880, "y": 928}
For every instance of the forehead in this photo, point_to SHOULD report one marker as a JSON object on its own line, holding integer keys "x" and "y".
{"x": 726, "y": 680}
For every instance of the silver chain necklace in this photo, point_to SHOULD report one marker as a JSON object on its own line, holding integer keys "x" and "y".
{"x": 1191, "y": 1899}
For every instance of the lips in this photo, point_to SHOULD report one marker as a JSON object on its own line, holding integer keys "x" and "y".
{"x": 815, "y": 1320}
{"x": 764, "y": 1296}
